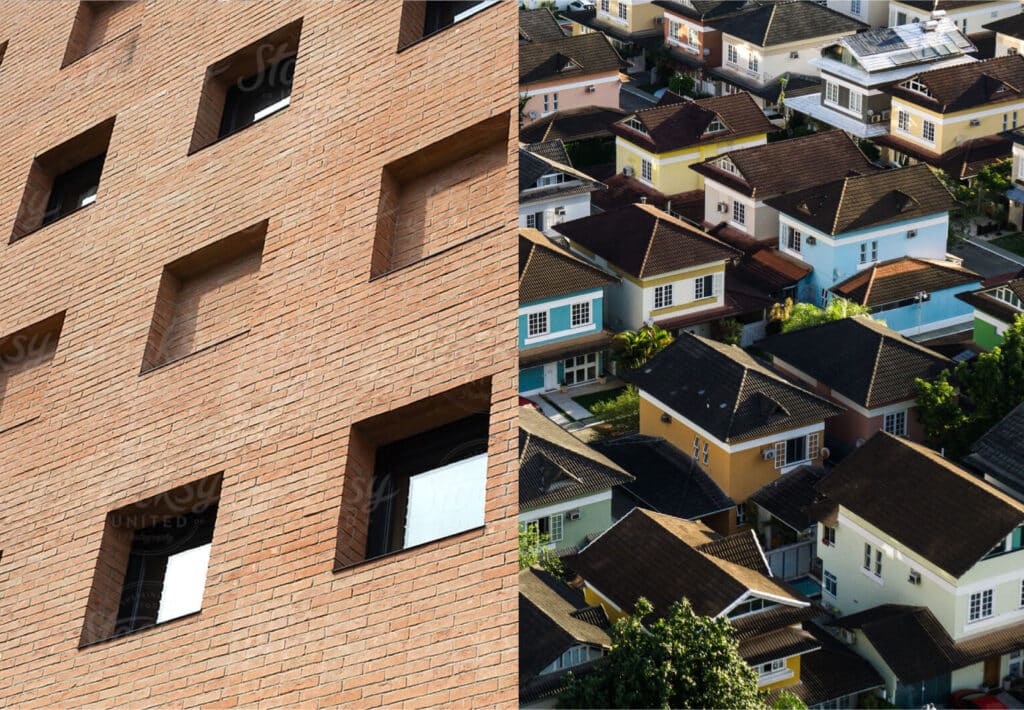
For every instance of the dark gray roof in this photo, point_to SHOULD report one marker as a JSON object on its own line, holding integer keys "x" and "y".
{"x": 831, "y": 672}
{"x": 546, "y": 270}
{"x": 702, "y": 9}
{"x": 788, "y": 497}
{"x": 539, "y": 26}
{"x": 555, "y": 466}
{"x": 553, "y": 150}
{"x": 1012, "y": 25}
{"x": 784, "y": 22}
{"x": 1000, "y": 451}
{"x": 567, "y": 58}
{"x": 920, "y": 488}
{"x": 726, "y": 392}
{"x": 665, "y": 479}
{"x": 572, "y": 125}
{"x": 859, "y": 358}
{"x": 532, "y": 166}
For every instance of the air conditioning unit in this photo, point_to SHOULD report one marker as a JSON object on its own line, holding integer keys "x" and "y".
{"x": 533, "y": 115}
{"x": 975, "y": 122}
{"x": 768, "y": 454}
{"x": 811, "y": 240}
{"x": 723, "y": 207}
{"x": 794, "y": 55}
{"x": 559, "y": 211}
{"x": 915, "y": 577}
{"x": 591, "y": 89}
{"x": 911, "y": 233}
{"x": 877, "y": 118}
{"x": 574, "y": 514}
{"x": 847, "y": 636}
{"x": 659, "y": 20}
{"x": 627, "y": 171}
{"x": 825, "y": 453}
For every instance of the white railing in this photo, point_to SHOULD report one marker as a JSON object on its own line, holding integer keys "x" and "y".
{"x": 792, "y": 561}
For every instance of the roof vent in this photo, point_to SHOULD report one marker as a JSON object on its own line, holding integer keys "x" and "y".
{"x": 930, "y": 25}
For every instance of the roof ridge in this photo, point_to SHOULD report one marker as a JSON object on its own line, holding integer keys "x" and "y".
{"x": 526, "y": 445}
{"x": 871, "y": 282}
{"x": 739, "y": 397}
{"x": 529, "y": 259}
{"x": 768, "y": 27}
{"x": 839, "y": 206}
{"x": 874, "y": 369}
{"x": 650, "y": 245}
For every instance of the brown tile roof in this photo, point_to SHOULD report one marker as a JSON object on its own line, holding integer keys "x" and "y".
{"x": 565, "y": 349}
{"x": 1000, "y": 451}
{"x": 555, "y": 466}
{"x": 788, "y": 497}
{"x": 1013, "y": 26}
{"x": 771, "y": 270}
{"x": 985, "y": 303}
{"x": 965, "y": 86}
{"x": 547, "y": 270}
{"x": 567, "y": 58}
{"x": 643, "y": 241}
{"x": 922, "y": 487}
{"x": 863, "y": 201}
{"x": 866, "y": 362}
{"x": 624, "y": 190}
{"x": 961, "y": 162}
{"x": 810, "y": 160}
{"x": 779, "y": 643}
{"x": 702, "y": 9}
{"x": 947, "y": 5}
{"x": 532, "y": 166}
{"x": 783, "y": 22}
{"x": 539, "y": 26}
{"x": 573, "y": 125}
{"x": 726, "y": 392}
{"x": 832, "y": 672}
{"x": 660, "y": 557}
{"x": 752, "y": 625}
{"x": 900, "y": 279}
{"x": 676, "y": 126}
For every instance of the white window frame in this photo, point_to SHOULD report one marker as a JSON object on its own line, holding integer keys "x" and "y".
{"x": 812, "y": 448}
{"x": 579, "y": 314}
{"x": 739, "y": 212}
{"x": 928, "y": 131}
{"x": 832, "y": 93}
{"x": 583, "y": 368}
{"x": 826, "y": 578}
{"x": 731, "y": 55}
{"x": 856, "y": 101}
{"x": 623, "y": 10}
{"x": 646, "y": 170}
{"x": 753, "y": 61}
{"x": 741, "y": 514}
{"x": 793, "y": 239}
{"x": 558, "y": 518}
{"x": 701, "y": 289}
{"x": 855, "y": 8}
{"x": 663, "y": 296}
{"x": 895, "y": 423}
{"x": 981, "y": 606}
{"x": 537, "y": 324}
{"x": 903, "y": 120}
{"x": 704, "y": 454}
{"x": 696, "y": 448}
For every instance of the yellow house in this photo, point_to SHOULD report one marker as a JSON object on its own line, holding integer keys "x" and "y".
{"x": 619, "y": 19}
{"x": 658, "y": 145}
{"x": 970, "y": 16}
{"x": 664, "y": 559}
{"x": 744, "y": 424}
{"x": 937, "y": 113}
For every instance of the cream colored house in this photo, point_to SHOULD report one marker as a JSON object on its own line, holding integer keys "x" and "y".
{"x": 970, "y": 16}
{"x": 1009, "y": 34}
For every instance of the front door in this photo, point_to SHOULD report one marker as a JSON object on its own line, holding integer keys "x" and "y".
{"x": 551, "y": 376}
{"x": 990, "y": 677}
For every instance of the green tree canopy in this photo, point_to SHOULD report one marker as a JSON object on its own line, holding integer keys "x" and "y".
{"x": 620, "y": 415}
{"x": 683, "y": 660}
{"x": 635, "y": 347}
{"x": 794, "y": 316}
{"x": 532, "y": 551}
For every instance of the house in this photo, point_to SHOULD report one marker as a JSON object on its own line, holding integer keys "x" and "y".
{"x": 970, "y": 16}
{"x": 557, "y": 72}
{"x": 1015, "y": 195}
{"x": 857, "y": 70}
{"x": 846, "y": 226}
{"x": 923, "y": 563}
{"x": 550, "y": 191}
{"x": 561, "y": 316}
{"x": 565, "y": 487}
{"x": 914, "y": 296}
{"x": 864, "y": 366}
{"x": 749, "y": 424}
{"x": 778, "y": 513}
{"x": 936, "y": 112}
{"x": 586, "y": 134}
{"x": 773, "y": 39}
{"x": 873, "y": 12}
{"x": 558, "y": 634}
{"x": 666, "y": 480}
{"x": 737, "y": 182}
{"x": 657, "y": 145}
{"x": 631, "y": 25}
{"x": 996, "y": 305}
{"x": 692, "y": 41}
{"x": 999, "y": 454}
{"x": 1009, "y": 34}
{"x": 670, "y": 272}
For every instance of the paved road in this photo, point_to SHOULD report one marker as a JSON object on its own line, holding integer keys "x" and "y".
{"x": 986, "y": 262}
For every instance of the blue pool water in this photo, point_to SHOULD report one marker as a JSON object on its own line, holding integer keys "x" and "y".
{"x": 808, "y": 586}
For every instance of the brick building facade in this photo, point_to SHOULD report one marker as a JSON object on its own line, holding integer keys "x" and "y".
{"x": 209, "y": 355}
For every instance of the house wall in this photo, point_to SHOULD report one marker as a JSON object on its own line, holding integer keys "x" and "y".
{"x": 670, "y": 171}
{"x": 942, "y": 310}
{"x": 793, "y": 666}
{"x": 641, "y": 15}
{"x": 595, "y": 516}
{"x": 571, "y": 94}
{"x": 575, "y": 206}
{"x": 776, "y": 60}
{"x": 953, "y": 128}
{"x": 531, "y": 379}
{"x": 593, "y": 598}
{"x": 988, "y": 332}
{"x": 762, "y": 221}
{"x": 559, "y": 312}
{"x": 1007, "y": 44}
{"x": 837, "y": 258}
{"x": 970, "y": 19}
{"x": 874, "y": 12}
{"x": 873, "y": 103}
{"x": 684, "y": 292}
{"x": 707, "y": 38}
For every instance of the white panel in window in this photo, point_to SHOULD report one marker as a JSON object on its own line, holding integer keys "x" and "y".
{"x": 184, "y": 582}
{"x": 446, "y": 500}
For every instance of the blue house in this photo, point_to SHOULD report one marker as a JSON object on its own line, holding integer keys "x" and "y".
{"x": 879, "y": 238}
{"x": 561, "y": 316}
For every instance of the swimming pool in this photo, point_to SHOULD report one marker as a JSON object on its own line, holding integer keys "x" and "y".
{"x": 808, "y": 586}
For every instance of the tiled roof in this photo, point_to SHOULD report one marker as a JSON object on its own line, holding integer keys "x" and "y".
{"x": 657, "y": 556}
{"x": 902, "y": 47}
{"x": 726, "y": 392}
{"x": 779, "y": 643}
{"x": 969, "y": 85}
{"x": 900, "y": 279}
{"x": 739, "y": 299}
{"x": 778, "y": 617}
{"x": 1012, "y": 26}
{"x": 565, "y": 349}
{"x": 862, "y": 201}
{"x": 795, "y": 84}
{"x": 572, "y": 125}
{"x": 771, "y": 270}
{"x": 567, "y": 58}
{"x": 665, "y": 479}
{"x": 555, "y": 466}
{"x": 832, "y": 672}
{"x": 624, "y": 190}
{"x": 1000, "y": 451}
{"x": 546, "y": 270}
{"x": 784, "y": 22}
{"x": 809, "y": 161}
{"x": 553, "y": 150}
{"x": 961, "y": 162}
{"x": 532, "y": 166}
{"x": 985, "y": 303}
{"x": 741, "y": 548}
{"x": 643, "y": 241}
{"x": 922, "y": 487}
{"x": 947, "y": 5}
{"x": 678, "y": 125}
{"x": 702, "y": 9}
{"x": 539, "y": 26}
{"x": 859, "y": 358}
{"x": 788, "y": 497}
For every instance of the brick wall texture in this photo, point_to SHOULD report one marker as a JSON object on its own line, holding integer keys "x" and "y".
{"x": 326, "y": 346}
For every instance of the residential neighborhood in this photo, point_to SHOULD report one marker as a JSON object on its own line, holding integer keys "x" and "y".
{"x": 771, "y": 348}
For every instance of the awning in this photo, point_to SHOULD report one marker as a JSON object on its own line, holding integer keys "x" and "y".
{"x": 1016, "y": 194}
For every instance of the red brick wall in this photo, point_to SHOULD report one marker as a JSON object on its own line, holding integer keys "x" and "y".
{"x": 271, "y": 409}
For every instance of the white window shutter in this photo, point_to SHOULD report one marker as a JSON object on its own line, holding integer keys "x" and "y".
{"x": 780, "y": 454}
{"x": 184, "y": 582}
{"x": 719, "y": 283}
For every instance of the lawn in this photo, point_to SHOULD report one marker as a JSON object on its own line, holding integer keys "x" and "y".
{"x": 1011, "y": 242}
{"x": 587, "y": 401}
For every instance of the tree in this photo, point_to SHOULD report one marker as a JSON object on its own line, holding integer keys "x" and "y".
{"x": 787, "y": 701}
{"x": 960, "y": 405}
{"x": 635, "y": 347}
{"x": 681, "y": 84}
{"x": 620, "y": 415}
{"x": 794, "y": 316}
{"x": 533, "y": 553}
{"x": 683, "y": 660}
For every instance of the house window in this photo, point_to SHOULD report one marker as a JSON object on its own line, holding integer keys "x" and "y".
{"x": 856, "y": 101}
{"x": 813, "y": 446}
{"x": 537, "y": 324}
{"x": 74, "y": 189}
{"x": 636, "y": 125}
{"x": 773, "y": 667}
{"x": 1006, "y": 295}
{"x": 752, "y": 62}
{"x": 901, "y": 18}
{"x": 875, "y": 559}
{"x": 693, "y": 37}
{"x": 739, "y": 212}
{"x": 704, "y": 287}
{"x": 868, "y": 249}
{"x": 831, "y": 585}
{"x": 741, "y": 514}
{"x": 255, "y": 97}
{"x": 733, "y": 57}
{"x": 855, "y": 8}
{"x": 547, "y": 104}
{"x": 728, "y": 166}
{"x": 831, "y": 92}
{"x": 99, "y": 23}
{"x": 623, "y": 10}
{"x": 646, "y": 170}
{"x": 663, "y": 296}
{"x": 1022, "y": 593}
{"x": 980, "y": 606}
{"x": 535, "y": 220}
{"x": 714, "y": 127}
{"x": 917, "y": 86}
{"x": 928, "y": 131}
{"x": 1016, "y": 667}
{"x": 580, "y": 314}
{"x": 867, "y": 556}
{"x": 555, "y": 525}
{"x": 575, "y": 656}
{"x": 551, "y": 179}
{"x": 674, "y": 29}
{"x": 1011, "y": 51}
{"x": 606, "y": 6}
{"x": 874, "y": 251}
{"x": 792, "y": 239}
{"x": 704, "y": 457}
{"x": 896, "y": 423}
{"x": 579, "y": 369}
{"x": 422, "y": 19}
{"x": 796, "y": 449}
{"x": 903, "y": 120}
{"x": 828, "y": 536}
{"x": 696, "y": 448}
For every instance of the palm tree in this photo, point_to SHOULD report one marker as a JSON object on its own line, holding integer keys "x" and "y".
{"x": 635, "y": 347}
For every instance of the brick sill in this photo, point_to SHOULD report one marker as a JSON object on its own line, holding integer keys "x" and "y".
{"x": 137, "y": 632}
{"x": 260, "y": 122}
{"x": 441, "y": 541}
{"x": 435, "y": 33}
{"x": 94, "y": 50}
{"x": 428, "y": 257}
{"x": 40, "y": 228}
{"x": 211, "y": 346}
{"x": 18, "y": 425}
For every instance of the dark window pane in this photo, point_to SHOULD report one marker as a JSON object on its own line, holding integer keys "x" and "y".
{"x": 251, "y": 95}
{"x": 73, "y": 189}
